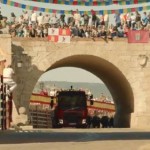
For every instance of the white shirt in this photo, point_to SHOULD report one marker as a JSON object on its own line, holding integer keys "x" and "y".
{"x": 52, "y": 93}
{"x": 46, "y": 19}
{"x": 106, "y": 17}
{"x": 53, "y": 20}
{"x": 133, "y": 17}
{"x": 8, "y": 74}
{"x": 33, "y": 17}
{"x": 40, "y": 20}
{"x": 26, "y": 16}
{"x": 77, "y": 16}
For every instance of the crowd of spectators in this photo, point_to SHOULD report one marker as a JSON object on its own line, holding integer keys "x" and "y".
{"x": 81, "y": 25}
{"x": 104, "y": 120}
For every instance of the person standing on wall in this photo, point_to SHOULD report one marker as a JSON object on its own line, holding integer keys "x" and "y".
{"x": 8, "y": 73}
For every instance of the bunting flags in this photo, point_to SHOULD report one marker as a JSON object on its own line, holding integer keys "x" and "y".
{"x": 92, "y": 2}
{"x": 99, "y": 12}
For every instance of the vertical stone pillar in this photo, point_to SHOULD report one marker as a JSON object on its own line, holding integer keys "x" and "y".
{"x": 2, "y": 66}
{"x": 6, "y": 54}
{"x": 141, "y": 88}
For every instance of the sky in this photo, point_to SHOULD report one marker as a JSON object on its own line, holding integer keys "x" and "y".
{"x": 69, "y": 73}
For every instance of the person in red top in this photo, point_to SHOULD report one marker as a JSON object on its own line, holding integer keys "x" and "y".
{"x": 44, "y": 92}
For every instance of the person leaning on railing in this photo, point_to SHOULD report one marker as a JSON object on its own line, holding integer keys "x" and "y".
{"x": 8, "y": 73}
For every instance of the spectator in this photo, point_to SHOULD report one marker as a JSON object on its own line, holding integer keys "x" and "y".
{"x": 117, "y": 19}
{"x": 94, "y": 20}
{"x": 145, "y": 19}
{"x": 39, "y": 31}
{"x": 96, "y": 121}
{"x": 148, "y": 16}
{"x": 62, "y": 20}
{"x": 45, "y": 31}
{"x": 8, "y": 73}
{"x": 133, "y": 21}
{"x": 120, "y": 32}
{"x": 12, "y": 18}
{"x": 1, "y": 17}
{"x": 90, "y": 21}
{"x": 103, "y": 33}
{"x": 125, "y": 29}
{"x": 19, "y": 31}
{"x": 105, "y": 121}
{"x": 106, "y": 21}
{"x": 101, "y": 20}
{"x": 40, "y": 19}
{"x": 86, "y": 19}
{"x": 82, "y": 20}
{"x": 46, "y": 19}
{"x": 4, "y": 22}
{"x": 89, "y": 121}
{"x": 21, "y": 20}
{"x": 77, "y": 17}
{"x": 81, "y": 32}
{"x": 138, "y": 20}
{"x": 71, "y": 20}
{"x": 26, "y": 31}
{"x": 52, "y": 93}
{"x": 123, "y": 19}
{"x": 32, "y": 32}
{"x": 128, "y": 20}
{"x": 54, "y": 20}
{"x": 33, "y": 18}
{"x": 80, "y": 25}
{"x": 26, "y": 17}
{"x": 111, "y": 121}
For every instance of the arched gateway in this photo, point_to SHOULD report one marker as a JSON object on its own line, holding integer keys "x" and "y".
{"x": 123, "y": 67}
{"x": 112, "y": 77}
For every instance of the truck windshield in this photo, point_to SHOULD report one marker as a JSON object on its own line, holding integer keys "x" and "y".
{"x": 71, "y": 101}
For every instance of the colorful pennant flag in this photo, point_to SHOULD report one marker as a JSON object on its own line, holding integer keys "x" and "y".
{"x": 92, "y": 2}
{"x": 98, "y": 12}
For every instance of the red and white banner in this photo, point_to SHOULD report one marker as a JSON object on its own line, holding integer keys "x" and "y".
{"x": 138, "y": 36}
{"x": 59, "y": 35}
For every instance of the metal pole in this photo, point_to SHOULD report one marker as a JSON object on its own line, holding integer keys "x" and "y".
{"x": 10, "y": 109}
{"x": 4, "y": 108}
{"x": 1, "y": 102}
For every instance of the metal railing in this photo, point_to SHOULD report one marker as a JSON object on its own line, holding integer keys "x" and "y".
{"x": 40, "y": 118}
{"x": 5, "y": 106}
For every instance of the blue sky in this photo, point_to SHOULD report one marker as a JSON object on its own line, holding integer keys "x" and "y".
{"x": 69, "y": 73}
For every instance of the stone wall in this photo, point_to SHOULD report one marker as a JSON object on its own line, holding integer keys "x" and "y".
{"x": 124, "y": 68}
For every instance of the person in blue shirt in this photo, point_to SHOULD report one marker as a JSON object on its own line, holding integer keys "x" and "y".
{"x": 145, "y": 19}
{"x": 117, "y": 19}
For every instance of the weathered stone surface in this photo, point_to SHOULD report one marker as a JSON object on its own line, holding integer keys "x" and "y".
{"x": 117, "y": 63}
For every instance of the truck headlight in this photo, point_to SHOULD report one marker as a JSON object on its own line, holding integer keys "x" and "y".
{"x": 83, "y": 121}
{"x": 61, "y": 121}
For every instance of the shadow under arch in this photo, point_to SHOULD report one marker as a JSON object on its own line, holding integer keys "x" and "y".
{"x": 113, "y": 78}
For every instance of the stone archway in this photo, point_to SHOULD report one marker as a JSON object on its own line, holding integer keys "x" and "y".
{"x": 112, "y": 77}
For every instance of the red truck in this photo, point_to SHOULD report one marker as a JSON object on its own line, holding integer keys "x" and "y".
{"x": 71, "y": 109}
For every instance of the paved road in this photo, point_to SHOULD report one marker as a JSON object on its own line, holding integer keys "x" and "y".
{"x": 76, "y": 139}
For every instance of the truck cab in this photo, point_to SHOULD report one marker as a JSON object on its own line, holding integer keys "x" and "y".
{"x": 71, "y": 109}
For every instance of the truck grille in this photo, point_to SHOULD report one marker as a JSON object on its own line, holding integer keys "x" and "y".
{"x": 70, "y": 117}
